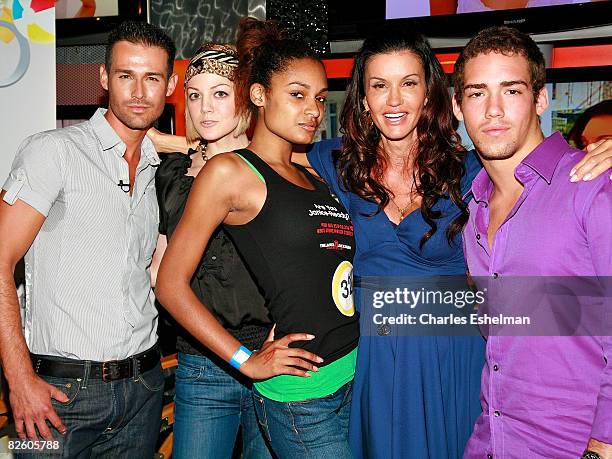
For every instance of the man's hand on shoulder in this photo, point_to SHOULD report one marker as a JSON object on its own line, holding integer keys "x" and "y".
{"x": 30, "y": 399}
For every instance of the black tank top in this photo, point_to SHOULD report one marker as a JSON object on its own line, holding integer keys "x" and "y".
{"x": 300, "y": 248}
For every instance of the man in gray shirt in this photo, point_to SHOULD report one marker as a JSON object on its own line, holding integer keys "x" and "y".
{"x": 83, "y": 367}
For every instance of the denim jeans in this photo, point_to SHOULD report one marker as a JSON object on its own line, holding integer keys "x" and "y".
{"x": 315, "y": 428}
{"x": 112, "y": 419}
{"x": 210, "y": 406}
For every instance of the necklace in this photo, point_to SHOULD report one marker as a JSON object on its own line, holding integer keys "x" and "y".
{"x": 202, "y": 149}
{"x": 401, "y": 210}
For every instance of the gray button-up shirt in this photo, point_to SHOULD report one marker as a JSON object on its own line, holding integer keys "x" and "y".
{"x": 88, "y": 289}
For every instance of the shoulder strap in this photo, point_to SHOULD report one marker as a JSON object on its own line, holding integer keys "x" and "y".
{"x": 257, "y": 173}
{"x": 318, "y": 184}
{"x": 265, "y": 173}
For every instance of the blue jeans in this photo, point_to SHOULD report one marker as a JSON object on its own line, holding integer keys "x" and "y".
{"x": 109, "y": 419}
{"x": 210, "y": 405}
{"x": 315, "y": 428}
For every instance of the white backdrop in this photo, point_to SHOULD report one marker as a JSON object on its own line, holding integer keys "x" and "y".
{"x": 27, "y": 74}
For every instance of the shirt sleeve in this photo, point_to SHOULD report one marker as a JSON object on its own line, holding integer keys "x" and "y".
{"x": 598, "y": 228}
{"x": 320, "y": 158}
{"x": 36, "y": 177}
{"x": 172, "y": 186}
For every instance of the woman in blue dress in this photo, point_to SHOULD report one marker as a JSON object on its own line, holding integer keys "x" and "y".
{"x": 401, "y": 173}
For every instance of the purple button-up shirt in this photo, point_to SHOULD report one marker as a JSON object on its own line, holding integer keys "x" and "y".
{"x": 544, "y": 396}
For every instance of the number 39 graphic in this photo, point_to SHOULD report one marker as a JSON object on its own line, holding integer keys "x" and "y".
{"x": 342, "y": 288}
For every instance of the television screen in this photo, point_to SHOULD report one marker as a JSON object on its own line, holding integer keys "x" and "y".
{"x": 70, "y": 9}
{"x": 398, "y": 9}
{"x": 460, "y": 19}
{"x": 86, "y": 22}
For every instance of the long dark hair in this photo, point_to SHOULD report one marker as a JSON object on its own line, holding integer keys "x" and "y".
{"x": 438, "y": 163}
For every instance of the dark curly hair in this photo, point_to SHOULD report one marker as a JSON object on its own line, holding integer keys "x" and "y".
{"x": 264, "y": 49}
{"x": 438, "y": 164}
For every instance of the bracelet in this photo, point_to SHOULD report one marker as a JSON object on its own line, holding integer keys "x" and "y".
{"x": 239, "y": 357}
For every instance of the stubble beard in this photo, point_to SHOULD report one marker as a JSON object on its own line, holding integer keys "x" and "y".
{"x": 492, "y": 152}
{"x": 135, "y": 122}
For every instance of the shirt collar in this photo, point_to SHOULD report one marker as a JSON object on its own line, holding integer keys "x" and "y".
{"x": 546, "y": 156}
{"x": 543, "y": 160}
{"x": 481, "y": 186}
{"x": 109, "y": 138}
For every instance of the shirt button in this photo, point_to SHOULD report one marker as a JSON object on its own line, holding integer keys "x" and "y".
{"x": 384, "y": 330}
{"x": 495, "y": 275}
{"x": 214, "y": 257}
{"x": 489, "y": 456}
{"x": 497, "y": 413}
{"x": 495, "y": 367}
{"x": 478, "y": 237}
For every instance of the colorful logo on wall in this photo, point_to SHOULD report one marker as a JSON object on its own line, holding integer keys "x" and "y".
{"x": 23, "y": 22}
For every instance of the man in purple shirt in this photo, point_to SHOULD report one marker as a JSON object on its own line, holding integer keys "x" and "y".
{"x": 542, "y": 396}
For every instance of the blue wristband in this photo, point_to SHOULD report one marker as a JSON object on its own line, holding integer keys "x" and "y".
{"x": 239, "y": 357}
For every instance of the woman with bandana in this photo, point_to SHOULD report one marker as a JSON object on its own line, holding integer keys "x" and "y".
{"x": 212, "y": 399}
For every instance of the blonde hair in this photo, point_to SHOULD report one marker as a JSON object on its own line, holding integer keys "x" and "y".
{"x": 220, "y": 59}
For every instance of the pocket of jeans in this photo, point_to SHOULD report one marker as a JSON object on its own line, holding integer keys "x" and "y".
{"x": 188, "y": 373}
{"x": 69, "y": 386}
{"x": 262, "y": 418}
{"x": 153, "y": 379}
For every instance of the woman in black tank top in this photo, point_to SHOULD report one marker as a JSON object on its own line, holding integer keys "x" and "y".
{"x": 294, "y": 236}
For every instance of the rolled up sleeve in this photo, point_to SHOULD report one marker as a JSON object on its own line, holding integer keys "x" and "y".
{"x": 36, "y": 174}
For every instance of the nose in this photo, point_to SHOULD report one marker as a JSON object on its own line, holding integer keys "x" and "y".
{"x": 312, "y": 109}
{"x": 494, "y": 108}
{"x": 394, "y": 97}
{"x": 138, "y": 89}
{"x": 206, "y": 104}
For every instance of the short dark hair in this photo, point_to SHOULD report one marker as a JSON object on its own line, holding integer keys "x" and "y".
{"x": 141, "y": 33}
{"x": 574, "y": 136}
{"x": 507, "y": 41}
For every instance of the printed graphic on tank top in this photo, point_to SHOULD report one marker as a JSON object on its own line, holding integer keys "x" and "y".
{"x": 300, "y": 249}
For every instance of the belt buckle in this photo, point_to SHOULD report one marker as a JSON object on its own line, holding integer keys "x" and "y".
{"x": 110, "y": 370}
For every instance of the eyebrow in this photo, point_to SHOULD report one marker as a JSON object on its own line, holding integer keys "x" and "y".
{"x": 503, "y": 84}
{"x": 405, "y": 76}
{"x": 212, "y": 87}
{"x": 130, "y": 72}
{"x": 306, "y": 86}
{"x": 299, "y": 83}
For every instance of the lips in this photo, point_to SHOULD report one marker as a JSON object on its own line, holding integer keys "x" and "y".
{"x": 496, "y": 130}
{"x": 393, "y": 119}
{"x": 310, "y": 127}
{"x": 394, "y": 116}
{"x": 208, "y": 123}
{"x": 138, "y": 108}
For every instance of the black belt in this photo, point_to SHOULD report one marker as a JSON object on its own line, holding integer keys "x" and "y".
{"x": 106, "y": 371}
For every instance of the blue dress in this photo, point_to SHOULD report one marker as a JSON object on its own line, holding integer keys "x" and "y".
{"x": 413, "y": 396}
